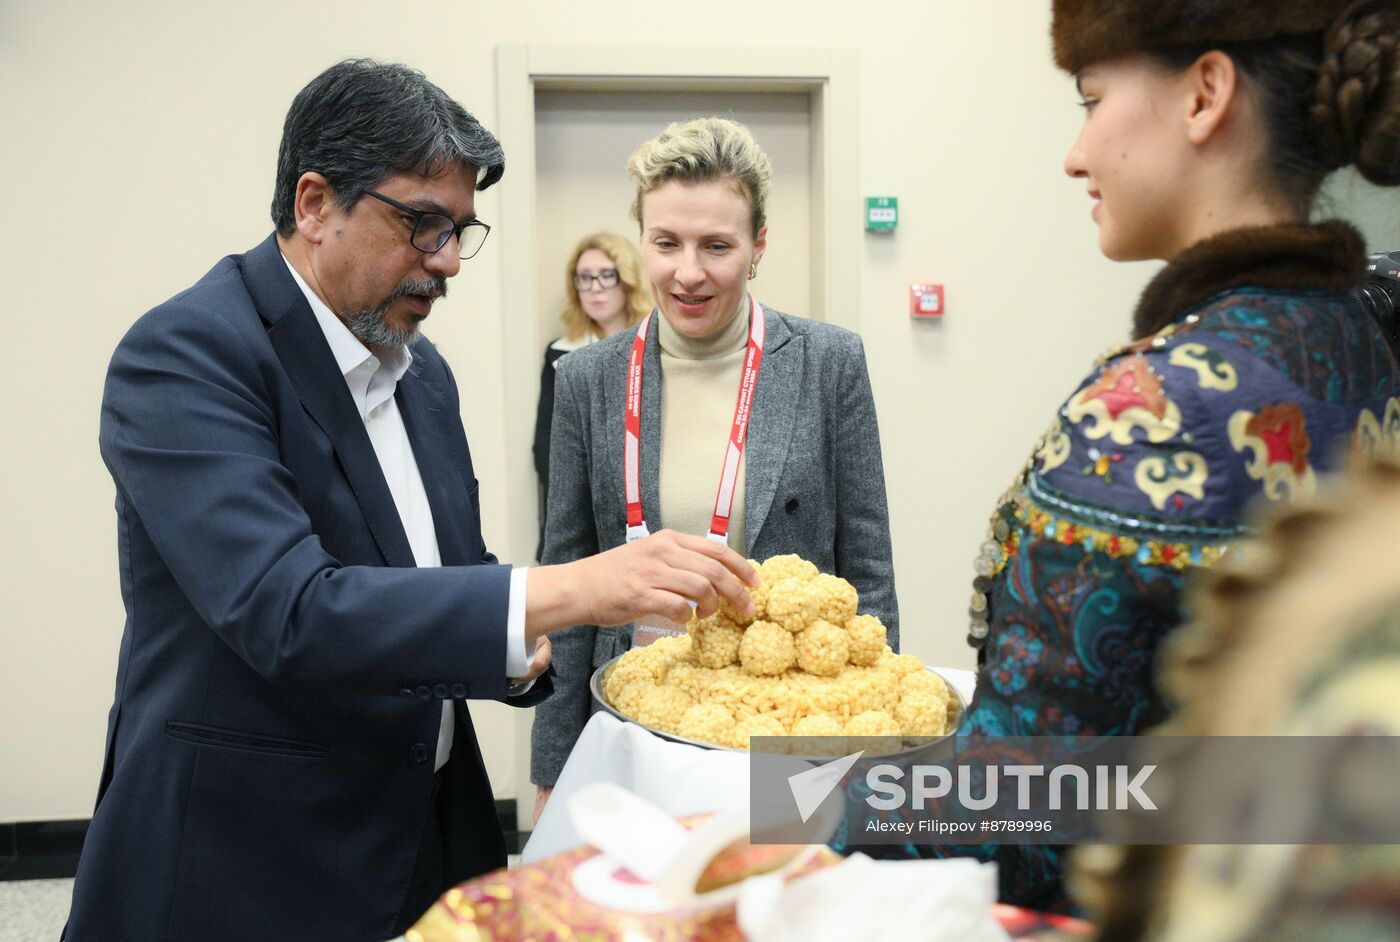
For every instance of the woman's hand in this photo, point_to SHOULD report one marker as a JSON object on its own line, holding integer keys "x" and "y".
{"x": 541, "y": 799}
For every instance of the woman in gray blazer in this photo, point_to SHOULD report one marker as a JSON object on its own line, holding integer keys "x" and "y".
{"x": 810, "y": 481}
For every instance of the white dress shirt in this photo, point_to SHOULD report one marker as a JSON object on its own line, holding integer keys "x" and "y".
{"x": 372, "y": 379}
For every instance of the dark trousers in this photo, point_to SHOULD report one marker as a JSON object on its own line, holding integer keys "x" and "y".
{"x": 426, "y": 884}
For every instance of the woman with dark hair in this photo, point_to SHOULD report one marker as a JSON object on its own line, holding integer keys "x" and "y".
{"x": 1208, "y": 130}
{"x": 604, "y": 293}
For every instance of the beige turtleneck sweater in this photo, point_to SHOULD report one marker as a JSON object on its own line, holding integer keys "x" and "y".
{"x": 701, "y": 385}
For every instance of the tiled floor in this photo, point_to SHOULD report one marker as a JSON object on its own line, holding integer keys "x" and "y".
{"x": 33, "y": 910}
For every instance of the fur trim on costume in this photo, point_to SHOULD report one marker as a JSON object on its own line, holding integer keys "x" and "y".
{"x": 1088, "y": 31}
{"x": 1286, "y": 258}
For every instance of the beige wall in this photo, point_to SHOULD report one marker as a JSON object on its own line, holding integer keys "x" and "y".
{"x": 583, "y": 140}
{"x": 138, "y": 146}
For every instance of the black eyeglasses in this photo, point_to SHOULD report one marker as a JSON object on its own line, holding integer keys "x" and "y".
{"x": 607, "y": 278}
{"x": 432, "y": 230}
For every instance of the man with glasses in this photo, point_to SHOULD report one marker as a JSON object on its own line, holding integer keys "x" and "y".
{"x": 309, "y": 600}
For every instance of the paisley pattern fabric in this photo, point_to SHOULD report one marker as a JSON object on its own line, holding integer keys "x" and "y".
{"x": 1314, "y": 612}
{"x": 1319, "y": 342}
{"x": 1147, "y": 473}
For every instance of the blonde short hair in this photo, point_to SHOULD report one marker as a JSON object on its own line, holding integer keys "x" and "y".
{"x": 628, "y": 262}
{"x": 701, "y": 151}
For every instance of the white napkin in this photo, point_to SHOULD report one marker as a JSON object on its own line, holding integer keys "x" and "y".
{"x": 860, "y": 898}
{"x": 630, "y": 831}
{"x": 963, "y": 681}
{"x": 679, "y": 779}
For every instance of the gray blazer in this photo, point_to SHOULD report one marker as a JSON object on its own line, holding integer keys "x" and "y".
{"x": 814, "y": 485}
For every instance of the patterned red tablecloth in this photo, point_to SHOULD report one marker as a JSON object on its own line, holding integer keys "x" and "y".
{"x": 540, "y": 903}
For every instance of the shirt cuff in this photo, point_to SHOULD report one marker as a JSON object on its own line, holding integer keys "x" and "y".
{"x": 517, "y": 658}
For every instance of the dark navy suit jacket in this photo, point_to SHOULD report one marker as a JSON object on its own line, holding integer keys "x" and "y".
{"x": 270, "y": 748}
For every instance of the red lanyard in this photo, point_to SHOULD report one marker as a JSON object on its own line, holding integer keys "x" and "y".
{"x": 631, "y": 472}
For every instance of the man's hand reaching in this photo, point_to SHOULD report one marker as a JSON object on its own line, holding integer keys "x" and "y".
{"x": 659, "y": 575}
{"x": 539, "y": 663}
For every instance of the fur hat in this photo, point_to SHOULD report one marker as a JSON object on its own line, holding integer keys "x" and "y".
{"x": 1088, "y": 31}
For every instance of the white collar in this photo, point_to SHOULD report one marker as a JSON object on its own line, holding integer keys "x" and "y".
{"x": 351, "y": 356}
{"x": 566, "y": 344}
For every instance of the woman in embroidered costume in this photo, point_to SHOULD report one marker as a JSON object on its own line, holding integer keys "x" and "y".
{"x": 1312, "y": 607}
{"x": 1208, "y": 130}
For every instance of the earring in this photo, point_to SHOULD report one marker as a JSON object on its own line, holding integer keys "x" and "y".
{"x": 753, "y": 270}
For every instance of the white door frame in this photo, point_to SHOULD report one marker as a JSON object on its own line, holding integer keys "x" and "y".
{"x": 829, "y": 76}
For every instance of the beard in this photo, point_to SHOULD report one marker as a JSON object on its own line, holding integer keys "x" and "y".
{"x": 372, "y": 328}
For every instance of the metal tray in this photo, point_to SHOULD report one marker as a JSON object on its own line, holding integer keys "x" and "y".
{"x": 600, "y": 701}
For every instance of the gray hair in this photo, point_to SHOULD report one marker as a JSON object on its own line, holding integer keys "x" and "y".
{"x": 361, "y": 121}
{"x": 371, "y": 326}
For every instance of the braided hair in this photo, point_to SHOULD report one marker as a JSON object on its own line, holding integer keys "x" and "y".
{"x": 1328, "y": 100}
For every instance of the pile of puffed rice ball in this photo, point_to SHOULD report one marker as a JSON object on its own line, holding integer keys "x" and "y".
{"x": 805, "y": 665}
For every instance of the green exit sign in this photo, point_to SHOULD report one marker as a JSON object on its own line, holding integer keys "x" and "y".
{"x": 881, "y": 213}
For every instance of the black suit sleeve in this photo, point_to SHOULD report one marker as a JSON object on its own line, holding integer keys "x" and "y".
{"x": 191, "y": 436}
{"x": 544, "y": 414}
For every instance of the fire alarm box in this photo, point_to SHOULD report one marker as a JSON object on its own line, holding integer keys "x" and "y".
{"x": 925, "y": 300}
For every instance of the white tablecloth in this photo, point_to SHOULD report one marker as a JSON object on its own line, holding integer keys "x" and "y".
{"x": 677, "y": 778}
